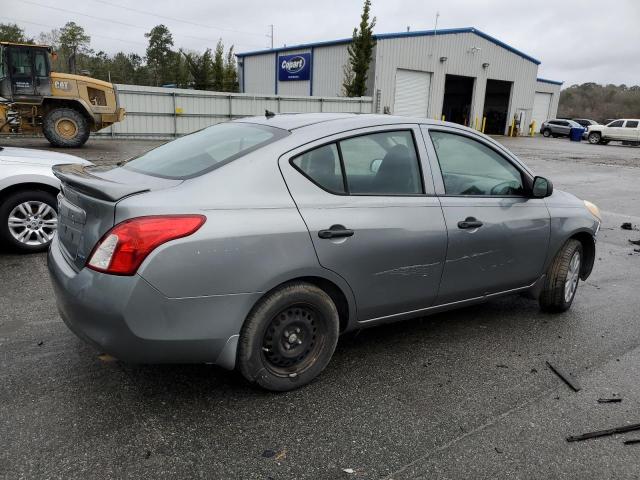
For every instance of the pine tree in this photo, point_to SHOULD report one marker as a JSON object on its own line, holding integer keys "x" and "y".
{"x": 230, "y": 72}
{"x": 218, "y": 67}
{"x": 159, "y": 52}
{"x": 360, "y": 52}
{"x": 73, "y": 40}
{"x": 201, "y": 69}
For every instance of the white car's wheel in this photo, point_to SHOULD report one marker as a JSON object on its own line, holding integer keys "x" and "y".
{"x": 28, "y": 220}
{"x": 594, "y": 138}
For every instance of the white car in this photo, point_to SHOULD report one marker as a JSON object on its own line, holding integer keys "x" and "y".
{"x": 28, "y": 190}
{"x": 624, "y": 130}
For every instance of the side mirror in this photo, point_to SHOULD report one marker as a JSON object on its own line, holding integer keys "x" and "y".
{"x": 542, "y": 187}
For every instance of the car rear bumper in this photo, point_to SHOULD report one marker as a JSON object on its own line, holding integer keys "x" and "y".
{"x": 128, "y": 318}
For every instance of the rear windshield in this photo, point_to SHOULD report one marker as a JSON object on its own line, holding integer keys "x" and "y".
{"x": 204, "y": 150}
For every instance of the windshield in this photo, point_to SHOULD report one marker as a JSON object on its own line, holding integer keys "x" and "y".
{"x": 204, "y": 150}
{"x": 574, "y": 124}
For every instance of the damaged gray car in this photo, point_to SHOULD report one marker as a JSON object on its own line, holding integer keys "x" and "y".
{"x": 254, "y": 244}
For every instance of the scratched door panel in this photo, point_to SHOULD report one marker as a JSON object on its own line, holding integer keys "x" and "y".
{"x": 394, "y": 260}
{"x": 507, "y": 252}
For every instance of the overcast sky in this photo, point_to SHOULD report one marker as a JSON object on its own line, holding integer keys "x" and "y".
{"x": 577, "y": 41}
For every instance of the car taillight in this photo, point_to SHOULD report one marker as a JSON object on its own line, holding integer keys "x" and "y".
{"x": 123, "y": 248}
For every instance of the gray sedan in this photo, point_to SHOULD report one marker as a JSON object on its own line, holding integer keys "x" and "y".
{"x": 254, "y": 244}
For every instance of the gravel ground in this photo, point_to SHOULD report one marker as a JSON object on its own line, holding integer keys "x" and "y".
{"x": 464, "y": 394}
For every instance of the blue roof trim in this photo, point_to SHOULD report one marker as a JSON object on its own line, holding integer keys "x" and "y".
{"x": 553, "y": 82}
{"x": 385, "y": 36}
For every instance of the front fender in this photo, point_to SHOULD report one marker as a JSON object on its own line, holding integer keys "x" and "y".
{"x": 572, "y": 222}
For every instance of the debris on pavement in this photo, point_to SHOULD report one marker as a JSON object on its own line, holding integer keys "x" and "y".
{"x": 269, "y": 453}
{"x": 105, "y": 357}
{"x": 635, "y": 242}
{"x": 502, "y": 365}
{"x": 575, "y": 386}
{"x": 497, "y": 450}
{"x": 610, "y": 400}
{"x": 633, "y": 441}
{"x": 604, "y": 433}
{"x": 349, "y": 471}
{"x": 626, "y": 226}
{"x": 40, "y": 343}
{"x": 147, "y": 454}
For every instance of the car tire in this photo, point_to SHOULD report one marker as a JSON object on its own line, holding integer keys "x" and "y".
{"x": 289, "y": 337}
{"x": 23, "y": 226}
{"x": 546, "y": 133}
{"x": 594, "y": 138}
{"x": 65, "y": 127}
{"x": 561, "y": 282}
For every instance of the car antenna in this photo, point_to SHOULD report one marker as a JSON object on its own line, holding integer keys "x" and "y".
{"x": 269, "y": 114}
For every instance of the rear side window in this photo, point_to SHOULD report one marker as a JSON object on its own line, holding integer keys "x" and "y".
{"x": 376, "y": 164}
{"x": 205, "y": 150}
{"x": 382, "y": 164}
{"x": 322, "y": 166}
{"x": 617, "y": 123}
{"x": 631, "y": 124}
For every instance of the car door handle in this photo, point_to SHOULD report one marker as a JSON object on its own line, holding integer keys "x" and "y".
{"x": 336, "y": 231}
{"x": 469, "y": 222}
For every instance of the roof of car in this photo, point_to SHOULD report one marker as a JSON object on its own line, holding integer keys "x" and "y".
{"x": 293, "y": 121}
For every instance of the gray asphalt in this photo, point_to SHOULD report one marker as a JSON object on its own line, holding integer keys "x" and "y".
{"x": 464, "y": 394}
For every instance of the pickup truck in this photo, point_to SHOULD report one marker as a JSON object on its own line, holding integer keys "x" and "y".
{"x": 624, "y": 130}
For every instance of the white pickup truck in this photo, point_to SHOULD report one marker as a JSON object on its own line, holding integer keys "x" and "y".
{"x": 625, "y": 130}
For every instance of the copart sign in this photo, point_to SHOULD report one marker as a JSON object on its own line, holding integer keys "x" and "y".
{"x": 294, "y": 67}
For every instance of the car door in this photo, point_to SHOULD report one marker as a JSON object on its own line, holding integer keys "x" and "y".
{"x": 564, "y": 127}
{"x": 367, "y": 198}
{"x": 497, "y": 235}
{"x": 631, "y": 130}
{"x": 615, "y": 130}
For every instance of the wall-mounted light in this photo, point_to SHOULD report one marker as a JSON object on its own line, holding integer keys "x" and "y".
{"x": 485, "y": 65}
{"x": 443, "y": 59}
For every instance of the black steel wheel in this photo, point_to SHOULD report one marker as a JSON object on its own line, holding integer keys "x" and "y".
{"x": 293, "y": 339}
{"x": 289, "y": 337}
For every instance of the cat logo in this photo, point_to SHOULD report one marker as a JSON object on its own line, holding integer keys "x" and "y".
{"x": 61, "y": 85}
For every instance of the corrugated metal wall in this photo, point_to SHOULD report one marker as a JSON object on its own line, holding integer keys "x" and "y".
{"x": 167, "y": 112}
{"x": 554, "y": 90}
{"x": 259, "y": 74}
{"x": 328, "y": 64}
{"x": 465, "y": 53}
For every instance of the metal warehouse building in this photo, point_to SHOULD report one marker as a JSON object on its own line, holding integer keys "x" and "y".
{"x": 463, "y": 75}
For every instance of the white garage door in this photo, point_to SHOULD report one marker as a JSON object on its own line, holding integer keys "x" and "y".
{"x": 541, "y": 105}
{"x": 412, "y": 93}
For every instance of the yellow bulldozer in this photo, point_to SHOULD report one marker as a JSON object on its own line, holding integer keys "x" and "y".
{"x": 63, "y": 107}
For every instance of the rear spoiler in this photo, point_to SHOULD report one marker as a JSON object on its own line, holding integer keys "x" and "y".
{"x": 78, "y": 178}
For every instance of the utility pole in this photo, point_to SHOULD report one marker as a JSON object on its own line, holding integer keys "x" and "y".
{"x": 271, "y": 35}
{"x": 435, "y": 29}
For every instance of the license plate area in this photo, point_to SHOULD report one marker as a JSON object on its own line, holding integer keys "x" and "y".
{"x": 71, "y": 222}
